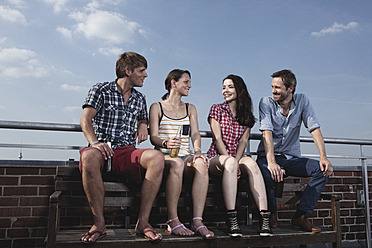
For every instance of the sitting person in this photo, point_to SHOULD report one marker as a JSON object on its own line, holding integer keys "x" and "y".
{"x": 231, "y": 123}
{"x": 281, "y": 116}
{"x": 113, "y": 111}
{"x": 166, "y": 117}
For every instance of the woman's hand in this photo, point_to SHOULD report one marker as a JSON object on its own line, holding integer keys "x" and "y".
{"x": 197, "y": 155}
{"x": 174, "y": 142}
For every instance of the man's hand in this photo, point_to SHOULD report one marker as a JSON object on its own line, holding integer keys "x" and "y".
{"x": 326, "y": 167}
{"x": 276, "y": 172}
{"x": 105, "y": 149}
{"x": 142, "y": 133}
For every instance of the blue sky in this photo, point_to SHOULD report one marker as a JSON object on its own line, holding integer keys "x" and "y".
{"x": 52, "y": 51}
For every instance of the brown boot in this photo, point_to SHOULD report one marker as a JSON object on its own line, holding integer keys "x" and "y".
{"x": 304, "y": 224}
{"x": 273, "y": 220}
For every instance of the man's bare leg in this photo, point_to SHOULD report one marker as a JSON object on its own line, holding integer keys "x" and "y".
{"x": 153, "y": 162}
{"x": 94, "y": 190}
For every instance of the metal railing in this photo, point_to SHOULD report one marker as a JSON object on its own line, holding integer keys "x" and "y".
{"x": 206, "y": 134}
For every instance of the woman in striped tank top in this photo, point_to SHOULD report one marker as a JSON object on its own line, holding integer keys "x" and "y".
{"x": 166, "y": 117}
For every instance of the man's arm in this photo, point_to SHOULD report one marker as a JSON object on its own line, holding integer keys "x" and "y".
{"x": 142, "y": 132}
{"x": 273, "y": 167}
{"x": 324, "y": 163}
{"x": 88, "y": 130}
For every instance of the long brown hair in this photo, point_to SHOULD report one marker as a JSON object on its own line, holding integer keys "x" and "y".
{"x": 244, "y": 113}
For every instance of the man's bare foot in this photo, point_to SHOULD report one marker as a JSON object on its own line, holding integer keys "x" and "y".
{"x": 93, "y": 235}
{"x": 146, "y": 231}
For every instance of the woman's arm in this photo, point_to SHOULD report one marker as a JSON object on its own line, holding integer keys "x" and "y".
{"x": 217, "y": 135}
{"x": 242, "y": 144}
{"x": 154, "y": 117}
{"x": 195, "y": 134}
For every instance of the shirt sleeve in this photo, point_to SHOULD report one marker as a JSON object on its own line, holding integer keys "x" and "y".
{"x": 265, "y": 115}
{"x": 308, "y": 115}
{"x": 215, "y": 113}
{"x": 94, "y": 98}
{"x": 143, "y": 114}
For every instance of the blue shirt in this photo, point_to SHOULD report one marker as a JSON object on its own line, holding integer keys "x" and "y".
{"x": 286, "y": 129}
{"x": 115, "y": 120}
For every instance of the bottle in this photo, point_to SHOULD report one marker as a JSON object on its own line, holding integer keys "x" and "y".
{"x": 109, "y": 160}
{"x": 175, "y": 151}
{"x": 279, "y": 187}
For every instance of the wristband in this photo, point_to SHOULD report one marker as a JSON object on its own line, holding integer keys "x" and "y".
{"x": 95, "y": 142}
{"x": 197, "y": 148}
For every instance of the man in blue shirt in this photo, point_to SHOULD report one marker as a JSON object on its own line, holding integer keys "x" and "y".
{"x": 281, "y": 116}
{"x": 115, "y": 113}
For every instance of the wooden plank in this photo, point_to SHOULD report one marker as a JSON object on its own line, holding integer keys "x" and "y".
{"x": 126, "y": 238}
{"x": 77, "y": 186}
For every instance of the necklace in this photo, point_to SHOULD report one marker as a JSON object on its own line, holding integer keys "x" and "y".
{"x": 175, "y": 112}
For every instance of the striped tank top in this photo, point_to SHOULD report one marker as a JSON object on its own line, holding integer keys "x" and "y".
{"x": 168, "y": 128}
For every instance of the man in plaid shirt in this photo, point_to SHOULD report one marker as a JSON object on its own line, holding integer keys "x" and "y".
{"x": 116, "y": 112}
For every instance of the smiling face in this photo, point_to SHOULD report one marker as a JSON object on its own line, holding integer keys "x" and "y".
{"x": 279, "y": 90}
{"x": 183, "y": 85}
{"x": 228, "y": 90}
{"x": 137, "y": 76}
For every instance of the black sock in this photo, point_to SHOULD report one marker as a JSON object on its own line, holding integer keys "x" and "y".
{"x": 231, "y": 211}
{"x": 298, "y": 214}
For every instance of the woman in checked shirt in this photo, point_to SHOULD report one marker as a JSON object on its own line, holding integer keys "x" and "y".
{"x": 231, "y": 123}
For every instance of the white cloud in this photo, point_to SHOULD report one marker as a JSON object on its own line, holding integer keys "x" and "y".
{"x": 68, "y": 87}
{"x": 58, "y": 5}
{"x": 65, "y": 32}
{"x": 71, "y": 108}
{"x": 2, "y": 40}
{"x": 111, "y": 51}
{"x": 111, "y": 27}
{"x": 12, "y": 15}
{"x": 336, "y": 28}
{"x": 17, "y": 3}
{"x": 17, "y": 63}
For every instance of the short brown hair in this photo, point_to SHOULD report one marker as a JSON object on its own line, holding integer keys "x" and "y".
{"x": 130, "y": 60}
{"x": 288, "y": 78}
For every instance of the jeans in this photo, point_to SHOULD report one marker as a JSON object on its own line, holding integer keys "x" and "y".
{"x": 299, "y": 167}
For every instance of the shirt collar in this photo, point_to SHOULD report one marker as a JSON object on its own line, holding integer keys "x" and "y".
{"x": 225, "y": 106}
{"x": 113, "y": 87}
{"x": 291, "y": 109}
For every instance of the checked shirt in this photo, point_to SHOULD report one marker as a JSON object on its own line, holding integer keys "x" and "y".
{"x": 231, "y": 130}
{"x": 115, "y": 120}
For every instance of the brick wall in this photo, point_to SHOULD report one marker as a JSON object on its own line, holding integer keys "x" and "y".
{"x": 24, "y": 194}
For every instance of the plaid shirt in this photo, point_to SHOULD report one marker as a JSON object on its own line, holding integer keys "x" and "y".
{"x": 116, "y": 120}
{"x": 231, "y": 130}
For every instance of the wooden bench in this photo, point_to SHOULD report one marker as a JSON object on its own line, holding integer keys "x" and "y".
{"x": 69, "y": 216}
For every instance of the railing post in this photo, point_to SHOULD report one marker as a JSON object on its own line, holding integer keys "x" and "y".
{"x": 366, "y": 197}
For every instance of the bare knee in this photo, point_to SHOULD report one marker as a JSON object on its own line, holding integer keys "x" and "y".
{"x": 153, "y": 160}
{"x": 176, "y": 166}
{"x": 91, "y": 162}
{"x": 250, "y": 165}
{"x": 231, "y": 164}
{"x": 201, "y": 166}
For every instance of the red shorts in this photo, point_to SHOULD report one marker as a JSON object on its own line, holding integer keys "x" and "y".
{"x": 126, "y": 161}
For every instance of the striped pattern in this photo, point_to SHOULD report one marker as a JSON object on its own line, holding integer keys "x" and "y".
{"x": 168, "y": 128}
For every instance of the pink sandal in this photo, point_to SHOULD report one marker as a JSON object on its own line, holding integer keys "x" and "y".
{"x": 170, "y": 230}
{"x": 196, "y": 230}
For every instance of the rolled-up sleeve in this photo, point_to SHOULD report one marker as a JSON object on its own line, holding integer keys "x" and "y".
{"x": 308, "y": 115}
{"x": 93, "y": 99}
{"x": 265, "y": 115}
